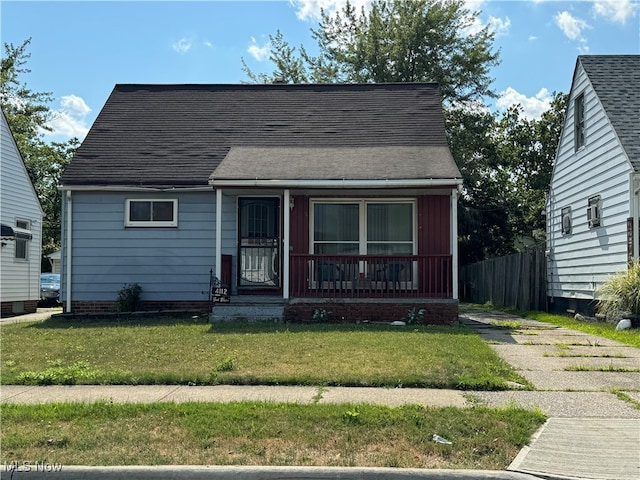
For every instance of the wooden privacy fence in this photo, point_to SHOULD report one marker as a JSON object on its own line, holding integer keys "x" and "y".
{"x": 517, "y": 280}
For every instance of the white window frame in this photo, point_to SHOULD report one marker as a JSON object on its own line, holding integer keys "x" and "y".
{"x": 362, "y": 217}
{"x": 594, "y": 211}
{"x": 23, "y": 236}
{"x": 151, "y": 222}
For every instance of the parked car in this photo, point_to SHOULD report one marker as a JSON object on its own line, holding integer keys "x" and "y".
{"x": 50, "y": 287}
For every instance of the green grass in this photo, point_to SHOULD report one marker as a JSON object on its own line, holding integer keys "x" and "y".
{"x": 187, "y": 352}
{"x": 599, "y": 368}
{"x": 251, "y": 433}
{"x": 606, "y": 330}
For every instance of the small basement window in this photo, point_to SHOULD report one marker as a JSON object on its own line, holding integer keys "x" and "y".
{"x": 594, "y": 211}
{"x": 151, "y": 213}
{"x": 566, "y": 220}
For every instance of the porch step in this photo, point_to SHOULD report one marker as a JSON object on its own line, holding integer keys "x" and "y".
{"x": 249, "y": 309}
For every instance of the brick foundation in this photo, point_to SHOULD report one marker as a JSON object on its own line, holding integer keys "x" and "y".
{"x": 443, "y": 312}
{"x": 95, "y": 307}
{"x": 10, "y": 309}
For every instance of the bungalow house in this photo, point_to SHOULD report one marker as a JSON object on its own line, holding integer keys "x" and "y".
{"x": 21, "y": 236}
{"x": 593, "y": 209}
{"x": 335, "y": 198}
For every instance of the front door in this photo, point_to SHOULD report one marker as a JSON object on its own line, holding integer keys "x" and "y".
{"x": 259, "y": 243}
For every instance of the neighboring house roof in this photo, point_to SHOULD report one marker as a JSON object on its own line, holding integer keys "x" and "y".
{"x": 181, "y": 135}
{"x": 616, "y": 80}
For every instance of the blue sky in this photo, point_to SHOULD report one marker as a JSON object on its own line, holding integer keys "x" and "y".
{"x": 81, "y": 49}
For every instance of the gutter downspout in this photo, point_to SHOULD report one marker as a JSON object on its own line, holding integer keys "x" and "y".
{"x": 69, "y": 230}
{"x": 286, "y": 212}
{"x": 454, "y": 242}
{"x": 219, "y": 233}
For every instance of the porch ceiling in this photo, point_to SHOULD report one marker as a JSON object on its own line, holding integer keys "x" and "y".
{"x": 336, "y": 163}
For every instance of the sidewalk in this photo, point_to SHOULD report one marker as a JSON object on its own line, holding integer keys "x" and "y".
{"x": 591, "y": 433}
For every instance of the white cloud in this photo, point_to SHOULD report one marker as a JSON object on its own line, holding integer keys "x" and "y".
{"x": 532, "y": 38}
{"x": 258, "y": 52}
{"x": 208, "y": 44}
{"x": 571, "y": 26}
{"x": 533, "y": 107}
{"x": 70, "y": 120}
{"x": 182, "y": 46}
{"x": 310, "y": 9}
{"x": 500, "y": 26}
{"x": 616, "y": 10}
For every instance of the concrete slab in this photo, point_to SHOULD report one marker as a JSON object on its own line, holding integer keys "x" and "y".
{"x": 395, "y": 396}
{"x": 243, "y": 393}
{"x": 586, "y": 448}
{"x": 581, "y": 381}
{"x": 622, "y": 351}
{"x": 561, "y": 404}
{"x": 521, "y": 358}
{"x": 85, "y": 393}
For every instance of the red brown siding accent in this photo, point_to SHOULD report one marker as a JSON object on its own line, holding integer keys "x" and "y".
{"x": 434, "y": 225}
{"x": 299, "y": 236}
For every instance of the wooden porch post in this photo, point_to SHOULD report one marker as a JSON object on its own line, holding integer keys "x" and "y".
{"x": 454, "y": 242}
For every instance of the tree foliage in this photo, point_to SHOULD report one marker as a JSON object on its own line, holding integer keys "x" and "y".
{"x": 505, "y": 160}
{"x": 27, "y": 114}
{"x": 395, "y": 41}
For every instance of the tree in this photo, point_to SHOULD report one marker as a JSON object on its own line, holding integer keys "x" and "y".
{"x": 395, "y": 41}
{"x": 27, "y": 114}
{"x": 27, "y": 111}
{"x": 506, "y": 163}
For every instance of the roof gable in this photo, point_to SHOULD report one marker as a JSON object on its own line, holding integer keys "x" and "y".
{"x": 616, "y": 81}
{"x": 177, "y": 135}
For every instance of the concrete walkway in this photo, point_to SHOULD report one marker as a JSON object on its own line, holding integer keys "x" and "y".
{"x": 591, "y": 433}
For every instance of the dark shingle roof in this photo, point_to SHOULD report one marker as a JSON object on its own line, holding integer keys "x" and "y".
{"x": 165, "y": 135}
{"x": 616, "y": 80}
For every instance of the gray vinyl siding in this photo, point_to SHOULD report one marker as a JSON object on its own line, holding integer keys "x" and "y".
{"x": 19, "y": 279}
{"x": 580, "y": 262}
{"x": 168, "y": 263}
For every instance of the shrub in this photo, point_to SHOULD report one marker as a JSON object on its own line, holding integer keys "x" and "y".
{"x": 128, "y": 297}
{"x": 415, "y": 316}
{"x": 620, "y": 294}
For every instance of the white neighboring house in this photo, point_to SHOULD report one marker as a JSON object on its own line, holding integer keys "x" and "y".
{"x": 593, "y": 206}
{"x": 21, "y": 218}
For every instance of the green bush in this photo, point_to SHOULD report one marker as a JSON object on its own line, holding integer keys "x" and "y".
{"x": 620, "y": 294}
{"x": 128, "y": 297}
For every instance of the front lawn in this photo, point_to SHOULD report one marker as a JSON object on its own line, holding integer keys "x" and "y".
{"x": 255, "y": 433}
{"x": 184, "y": 351}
